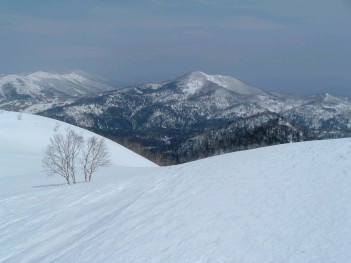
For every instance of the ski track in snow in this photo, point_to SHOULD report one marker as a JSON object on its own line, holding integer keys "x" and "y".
{"x": 287, "y": 203}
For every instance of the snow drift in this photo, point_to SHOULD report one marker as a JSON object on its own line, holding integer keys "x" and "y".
{"x": 287, "y": 203}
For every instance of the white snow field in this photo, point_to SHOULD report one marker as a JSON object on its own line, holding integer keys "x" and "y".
{"x": 287, "y": 203}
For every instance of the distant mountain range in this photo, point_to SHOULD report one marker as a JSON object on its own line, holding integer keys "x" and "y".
{"x": 194, "y": 116}
{"x": 37, "y": 91}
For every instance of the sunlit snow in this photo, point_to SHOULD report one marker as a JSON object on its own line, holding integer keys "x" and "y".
{"x": 287, "y": 203}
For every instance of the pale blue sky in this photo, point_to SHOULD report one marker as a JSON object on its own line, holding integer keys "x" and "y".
{"x": 292, "y": 46}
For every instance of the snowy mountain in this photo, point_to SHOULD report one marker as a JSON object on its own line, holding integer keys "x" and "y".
{"x": 196, "y": 97}
{"x": 323, "y": 113}
{"x": 194, "y": 116}
{"x": 287, "y": 203}
{"x": 174, "y": 119}
{"x": 196, "y": 82}
{"x": 24, "y": 92}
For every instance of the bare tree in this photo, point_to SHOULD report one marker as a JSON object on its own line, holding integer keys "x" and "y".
{"x": 95, "y": 155}
{"x": 61, "y": 154}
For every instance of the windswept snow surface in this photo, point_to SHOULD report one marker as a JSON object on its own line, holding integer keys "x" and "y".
{"x": 287, "y": 203}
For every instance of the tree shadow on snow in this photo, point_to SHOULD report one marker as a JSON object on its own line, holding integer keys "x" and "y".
{"x": 55, "y": 185}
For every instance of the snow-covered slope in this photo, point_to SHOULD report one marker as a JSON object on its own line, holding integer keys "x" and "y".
{"x": 195, "y": 81}
{"x": 287, "y": 203}
{"x": 25, "y": 136}
{"x": 35, "y": 84}
{"x": 23, "y": 91}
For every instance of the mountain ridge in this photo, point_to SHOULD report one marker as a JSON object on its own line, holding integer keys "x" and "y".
{"x": 24, "y": 91}
{"x": 194, "y": 110}
{"x": 170, "y": 120}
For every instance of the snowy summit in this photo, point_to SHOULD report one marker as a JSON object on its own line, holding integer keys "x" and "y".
{"x": 40, "y": 82}
{"x": 195, "y": 81}
{"x": 40, "y": 90}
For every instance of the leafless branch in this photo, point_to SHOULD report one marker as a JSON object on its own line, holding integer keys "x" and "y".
{"x": 95, "y": 155}
{"x": 61, "y": 154}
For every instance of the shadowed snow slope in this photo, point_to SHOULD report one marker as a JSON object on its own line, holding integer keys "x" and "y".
{"x": 23, "y": 142}
{"x": 287, "y": 203}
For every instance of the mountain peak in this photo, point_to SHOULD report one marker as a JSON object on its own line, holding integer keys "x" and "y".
{"x": 195, "y": 74}
{"x": 40, "y": 75}
{"x": 44, "y": 86}
{"x": 194, "y": 81}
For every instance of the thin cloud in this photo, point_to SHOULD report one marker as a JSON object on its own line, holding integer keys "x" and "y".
{"x": 36, "y": 25}
{"x": 134, "y": 19}
{"x": 248, "y": 23}
{"x": 74, "y": 52}
{"x": 58, "y": 28}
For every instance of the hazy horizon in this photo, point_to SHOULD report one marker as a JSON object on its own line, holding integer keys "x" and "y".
{"x": 295, "y": 47}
